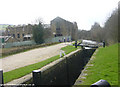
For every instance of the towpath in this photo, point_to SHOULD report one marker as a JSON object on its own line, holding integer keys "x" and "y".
{"x": 30, "y": 57}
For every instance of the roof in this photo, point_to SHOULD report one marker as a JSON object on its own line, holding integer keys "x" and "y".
{"x": 4, "y": 36}
{"x": 28, "y": 35}
{"x": 59, "y": 18}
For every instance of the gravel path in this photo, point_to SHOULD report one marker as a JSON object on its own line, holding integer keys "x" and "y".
{"x": 30, "y": 57}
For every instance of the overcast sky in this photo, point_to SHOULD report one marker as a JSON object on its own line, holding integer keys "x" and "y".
{"x": 84, "y": 12}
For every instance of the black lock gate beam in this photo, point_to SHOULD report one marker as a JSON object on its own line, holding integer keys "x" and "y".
{"x": 101, "y": 83}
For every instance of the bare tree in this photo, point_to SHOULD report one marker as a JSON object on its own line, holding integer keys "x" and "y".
{"x": 96, "y": 32}
{"x": 109, "y": 33}
{"x": 111, "y": 28}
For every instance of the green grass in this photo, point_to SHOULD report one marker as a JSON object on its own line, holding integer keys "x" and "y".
{"x": 79, "y": 41}
{"x": 105, "y": 66}
{"x": 69, "y": 49}
{"x": 119, "y": 63}
{"x": 17, "y": 73}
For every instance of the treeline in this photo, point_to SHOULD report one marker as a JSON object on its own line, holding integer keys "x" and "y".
{"x": 108, "y": 33}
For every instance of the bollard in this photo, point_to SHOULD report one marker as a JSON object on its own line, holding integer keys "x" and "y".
{"x": 1, "y": 76}
{"x": 101, "y": 83}
{"x": 103, "y": 43}
{"x": 36, "y": 77}
{"x": 75, "y": 44}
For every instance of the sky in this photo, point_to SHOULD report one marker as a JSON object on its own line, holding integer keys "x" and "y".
{"x": 84, "y": 12}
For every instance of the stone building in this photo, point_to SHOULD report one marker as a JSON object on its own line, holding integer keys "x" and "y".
{"x": 62, "y": 27}
{"x": 59, "y": 28}
{"x": 18, "y": 33}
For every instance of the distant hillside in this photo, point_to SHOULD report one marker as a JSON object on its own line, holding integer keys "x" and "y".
{"x": 3, "y": 26}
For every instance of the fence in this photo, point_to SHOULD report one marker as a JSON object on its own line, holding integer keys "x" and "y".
{"x": 57, "y": 39}
{"x": 23, "y": 43}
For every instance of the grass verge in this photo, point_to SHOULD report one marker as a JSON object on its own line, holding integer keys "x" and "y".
{"x": 17, "y": 73}
{"x": 105, "y": 66}
{"x": 69, "y": 49}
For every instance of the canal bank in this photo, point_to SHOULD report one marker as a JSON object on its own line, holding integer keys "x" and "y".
{"x": 63, "y": 71}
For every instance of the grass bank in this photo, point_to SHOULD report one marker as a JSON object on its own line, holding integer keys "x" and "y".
{"x": 17, "y": 73}
{"x": 105, "y": 66}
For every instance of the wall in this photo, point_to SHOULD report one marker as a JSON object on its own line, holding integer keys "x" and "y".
{"x": 56, "y": 39}
{"x": 60, "y": 26}
{"x": 64, "y": 71}
{"x": 23, "y": 43}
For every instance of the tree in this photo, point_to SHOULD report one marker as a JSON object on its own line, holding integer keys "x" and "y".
{"x": 83, "y": 34}
{"x": 109, "y": 33}
{"x": 38, "y": 32}
{"x": 47, "y": 33}
{"x": 96, "y": 32}
{"x": 111, "y": 28}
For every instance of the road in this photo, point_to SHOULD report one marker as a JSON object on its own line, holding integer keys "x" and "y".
{"x": 30, "y": 57}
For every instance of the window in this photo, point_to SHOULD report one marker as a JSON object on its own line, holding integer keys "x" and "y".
{"x": 14, "y": 35}
{"x": 28, "y": 38}
{"x": 58, "y": 35}
{"x": 18, "y": 35}
{"x": 23, "y": 35}
{"x": 57, "y": 28}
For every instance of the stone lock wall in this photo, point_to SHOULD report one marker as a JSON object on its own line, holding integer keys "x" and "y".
{"x": 63, "y": 71}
